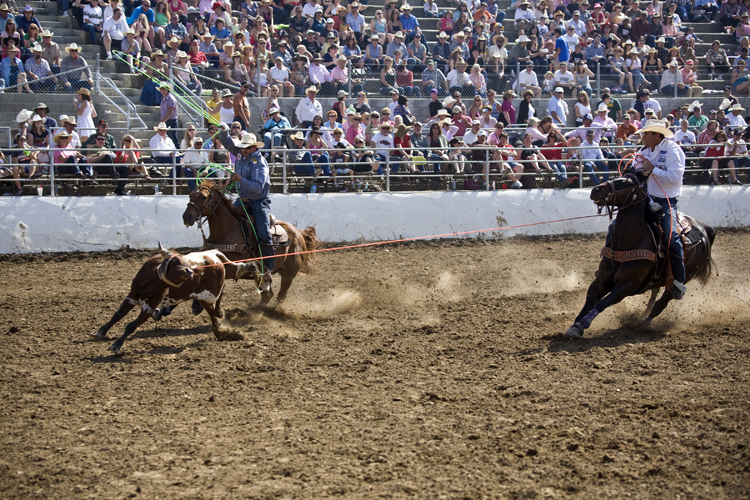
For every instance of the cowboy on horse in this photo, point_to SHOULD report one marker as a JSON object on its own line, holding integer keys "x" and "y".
{"x": 664, "y": 161}
{"x": 252, "y": 175}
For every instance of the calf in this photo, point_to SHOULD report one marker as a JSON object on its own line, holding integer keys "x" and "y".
{"x": 170, "y": 278}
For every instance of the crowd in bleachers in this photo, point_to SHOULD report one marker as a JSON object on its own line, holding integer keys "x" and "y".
{"x": 284, "y": 48}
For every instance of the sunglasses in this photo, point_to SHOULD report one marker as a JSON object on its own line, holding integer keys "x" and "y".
{"x": 126, "y": 140}
{"x": 236, "y": 128}
{"x": 100, "y": 138}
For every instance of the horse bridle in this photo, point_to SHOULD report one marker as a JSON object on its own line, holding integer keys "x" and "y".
{"x": 613, "y": 194}
{"x": 202, "y": 218}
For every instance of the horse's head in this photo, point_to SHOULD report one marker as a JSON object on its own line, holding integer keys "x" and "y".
{"x": 201, "y": 204}
{"x": 619, "y": 192}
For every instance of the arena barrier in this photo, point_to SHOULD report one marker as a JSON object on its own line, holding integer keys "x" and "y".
{"x": 60, "y": 224}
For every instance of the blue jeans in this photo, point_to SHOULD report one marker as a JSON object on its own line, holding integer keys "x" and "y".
{"x": 588, "y": 167}
{"x": 260, "y": 210}
{"x": 65, "y": 5}
{"x": 91, "y": 30}
{"x": 669, "y": 224}
{"x": 669, "y": 91}
{"x": 559, "y": 167}
{"x": 274, "y": 137}
{"x": 500, "y": 16}
{"x": 466, "y": 90}
{"x": 412, "y": 92}
{"x": 306, "y": 165}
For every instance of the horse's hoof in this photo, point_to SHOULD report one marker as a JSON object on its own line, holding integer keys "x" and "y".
{"x": 574, "y": 332}
{"x": 115, "y": 350}
{"x": 98, "y": 335}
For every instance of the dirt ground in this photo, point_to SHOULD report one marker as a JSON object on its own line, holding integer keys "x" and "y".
{"x": 425, "y": 370}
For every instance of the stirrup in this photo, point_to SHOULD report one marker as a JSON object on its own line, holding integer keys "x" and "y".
{"x": 678, "y": 290}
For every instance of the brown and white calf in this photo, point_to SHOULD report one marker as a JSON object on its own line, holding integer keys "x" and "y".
{"x": 169, "y": 278}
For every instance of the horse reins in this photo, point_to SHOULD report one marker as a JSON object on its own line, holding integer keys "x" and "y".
{"x": 609, "y": 201}
{"x": 202, "y": 218}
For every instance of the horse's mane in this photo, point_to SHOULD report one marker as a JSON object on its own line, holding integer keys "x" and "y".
{"x": 227, "y": 202}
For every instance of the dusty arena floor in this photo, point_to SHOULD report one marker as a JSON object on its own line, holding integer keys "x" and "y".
{"x": 428, "y": 370}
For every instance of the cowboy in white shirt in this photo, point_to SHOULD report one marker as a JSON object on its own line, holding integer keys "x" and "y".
{"x": 735, "y": 117}
{"x": 664, "y": 160}
{"x": 528, "y": 80}
{"x": 308, "y": 108}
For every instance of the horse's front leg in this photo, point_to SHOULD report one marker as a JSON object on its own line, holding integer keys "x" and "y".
{"x": 619, "y": 292}
{"x": 660, "y": 305}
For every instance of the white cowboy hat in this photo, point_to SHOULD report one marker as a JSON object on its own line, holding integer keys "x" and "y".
{"x": 37, "y": 48}
{"x": 602, "y": 107}
{"x": 725, "y": 104}
{"x": 312, "y": 89}
{"x": 181, "y": 54}
{"x": 737, "y": 107}
{"x": 72, "y": 46}
{"x": 36, "y": 118}
{"x": 23, "y": 116}
{"x": 273, "y": 110}
{"x": 523, "y": 38}
{"x": 161, "y": 126}
{"x": 693, "y": 105}
{"x": 657, "y": 126}
{"x": 248, "y": 140}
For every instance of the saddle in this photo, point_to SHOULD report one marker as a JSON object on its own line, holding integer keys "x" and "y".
{"x": 279, "y": 235}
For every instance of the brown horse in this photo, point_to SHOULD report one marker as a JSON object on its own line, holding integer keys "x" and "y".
{"x": 629, "y": 269}
{"x": 208, "y": 204}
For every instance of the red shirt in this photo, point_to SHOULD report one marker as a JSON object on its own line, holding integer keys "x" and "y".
{"x": 715, "y": 150}
{"x": 197, "y": 58}
{"x": 462, "y": 123}
{"x": 402, "y": 142}
{"x": 507, "y": 152}
{"x": 553, "y": 153}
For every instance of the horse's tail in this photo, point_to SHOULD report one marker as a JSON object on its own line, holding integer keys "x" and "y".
{"x": 309, "y": 260}
{"x": 705, "y": 273}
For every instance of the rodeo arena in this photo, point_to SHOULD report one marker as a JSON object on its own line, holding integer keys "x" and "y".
{"x": 458, "y": 249}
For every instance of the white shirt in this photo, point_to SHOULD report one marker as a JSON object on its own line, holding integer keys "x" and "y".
{"x": 392, "y": 107}
{"x": 452, "y": 78}
{"x": 307, "y": 110}
{"x": 681, "y": 137}
{"x": 93, "y": 15}
{"x": 555, "y": 104}
{"x": 652, "y": 104}
{"x": 580, "y": 26}
{"x": 593, "y": 152}
{"x": 566, "y": 77}
{"x": 116, "y": 29}
{"x": 528, "y": 79}
{"x": 382, "y": 143}
{"x": 309, "y": 9}
{"x": 524, "y": 14}
{"x": 669, "y": 166}
{"x": 741, "y": 148}
{"x": 470, "y": 137}
{"x": 197, "y": 158}
{"x": 736, "y": 121}
{"x": 161, "y": 146}
{"x": 502, "y": 51}
{"x": 572, "y": 41}
{"x": 281, "y": 75}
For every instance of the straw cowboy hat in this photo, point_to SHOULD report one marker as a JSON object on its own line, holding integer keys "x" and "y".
{"x": 248, "y": 140}
{"x": 72, "y": 46}
{"x": 60, "y": 135}
{"x": 312, "y": 89}
{"x": 68, "y": 119}
{"x": 299, "y": 135}
{"x": 157, "y": 53}
{"x": 657, "y": 126}
{"x": 84, "y": 91}
{"x": 23, "y": 116}
{"x": 130, "y": 31}
{"x": 737, "y": 107}
{"x": 386, "y": 124}
{"x": 402, "y": 130}
{"x": 12, "y": 48}
{"x": 161, "y": 126}
{"x": 165, "y": 85}
{"x": 173, "y": 41}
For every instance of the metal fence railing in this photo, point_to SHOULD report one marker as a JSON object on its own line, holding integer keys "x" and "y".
{"x": 456, "y": 167}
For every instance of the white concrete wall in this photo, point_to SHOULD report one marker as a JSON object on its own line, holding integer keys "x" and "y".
{"x": 31, "y": 224}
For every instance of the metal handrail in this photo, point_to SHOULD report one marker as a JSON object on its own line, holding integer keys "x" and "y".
{"x": 29, "y": 82}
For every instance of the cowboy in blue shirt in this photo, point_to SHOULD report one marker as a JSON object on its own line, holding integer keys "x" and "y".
{"x": 273, "y": 128}
{"x": 408, "y": 22}
{"x": 252, "y": 175}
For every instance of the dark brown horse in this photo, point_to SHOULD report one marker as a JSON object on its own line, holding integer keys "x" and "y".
{"x": 208, "y": 204}
{"x": 628, "y": 271}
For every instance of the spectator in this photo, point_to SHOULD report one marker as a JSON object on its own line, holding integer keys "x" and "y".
{"x": 713, "y": 160}
{"x": 739, "y": 81}
{"x": 308, "y": 108}
{"x": 273, "y": 129}
{"x": 12, "y": 70}
{"x": 36, "y": 69}
{"x": 129, "y": 155}
{"x": 671, "y": 78}
{"x": 85, "y": 112}
{"x": 592, "y": 159}
{"x": 441, "y": 52}
{"x": 459, "y": 81}
{"x": 113, "y": 32}
{"x": 321, "y": 77}
{"x": 356, "y": 22}
{"x": 737, "y": 150}
{"x": 241, "y": 107}
{"x": 698, "y": 120}
{"x": 66, "y": 158}
{"x": 74, "y": 81}
{"x": 26, "y": 19}
{"x": 735, "y": 118}
{"x": 194, "y": 162}
{"x": 49, "y": 123}
{"x": 184, "y": 75}
{"x": 103, "y": 162}
{"x": 607, "y": 124}
{"x": 717, "y": 60}
{"x": 556, "y": 108}
{"x": 93, "y": 19}
{"x": 626, "y": 129}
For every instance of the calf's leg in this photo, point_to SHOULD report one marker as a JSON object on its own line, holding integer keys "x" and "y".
{"x": 146, "y": 311}
{"x": 125, "y": 307}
